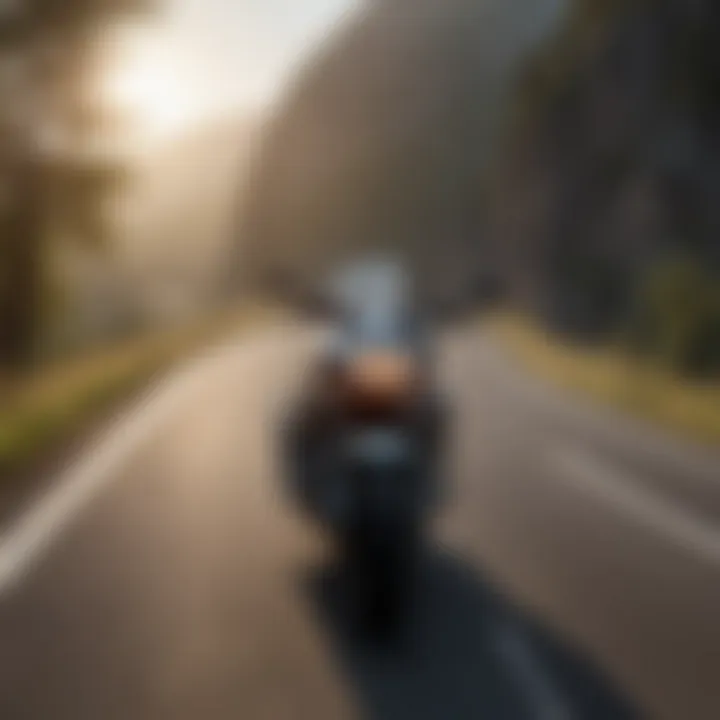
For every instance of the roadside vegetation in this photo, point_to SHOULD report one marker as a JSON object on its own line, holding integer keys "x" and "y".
{"x": 77, "y": 296}
{"x": 607, "y": 210}
{"x": 650, "y": 389}
{"x": 40, "y": 410}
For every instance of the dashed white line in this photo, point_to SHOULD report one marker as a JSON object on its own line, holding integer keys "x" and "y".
{"x": 581, "y": 470}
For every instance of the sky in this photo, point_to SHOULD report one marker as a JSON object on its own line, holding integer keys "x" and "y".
{"x": 239, "y": 52}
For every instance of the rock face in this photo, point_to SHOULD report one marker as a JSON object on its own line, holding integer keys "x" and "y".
{"x": 385, "y": 138}
{"x": 615, "y": 158}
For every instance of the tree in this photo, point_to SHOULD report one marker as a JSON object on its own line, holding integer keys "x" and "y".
{"x": 677, "y": 317}
{"x": 49, "y": 184}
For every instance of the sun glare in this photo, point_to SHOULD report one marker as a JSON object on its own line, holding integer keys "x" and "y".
{"x": 150, "y": 86}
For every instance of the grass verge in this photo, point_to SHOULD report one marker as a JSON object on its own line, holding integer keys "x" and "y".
{"x": 617, "y": 379}
{"x": 46, "y": 407}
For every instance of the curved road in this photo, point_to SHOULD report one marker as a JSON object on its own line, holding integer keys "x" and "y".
{"x": 162, "y": 576}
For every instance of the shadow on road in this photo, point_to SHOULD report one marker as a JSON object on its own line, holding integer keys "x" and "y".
{"x": 468, "y": 653}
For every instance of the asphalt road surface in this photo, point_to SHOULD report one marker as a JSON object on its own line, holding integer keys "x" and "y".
{"x": 164, "y": 575}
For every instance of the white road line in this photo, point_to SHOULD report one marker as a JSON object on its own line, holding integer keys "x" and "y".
{"x": 581, "y": 470}
{"x": 601, "y": 419}
{"x": 34, "y": 533}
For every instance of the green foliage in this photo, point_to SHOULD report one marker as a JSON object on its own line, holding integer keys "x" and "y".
{"x": 677, "y": 317}
{"x": 43, "y": 410}
{"x": 613, "y": 132}
{"x": 559, "y": 66}
{"x": 595, "y": 289}
{"x": 51, "y": 192}
{"x": 610, "y": 376}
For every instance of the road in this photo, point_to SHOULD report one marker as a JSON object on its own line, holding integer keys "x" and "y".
{"x": 164, "y": 576}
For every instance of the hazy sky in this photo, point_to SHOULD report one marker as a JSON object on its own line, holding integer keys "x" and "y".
{"x": 243, "y": 49}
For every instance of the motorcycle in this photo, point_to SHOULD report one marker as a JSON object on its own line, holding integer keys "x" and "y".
{"x": 368, "y": 477}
